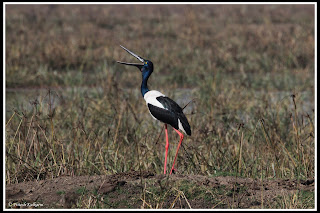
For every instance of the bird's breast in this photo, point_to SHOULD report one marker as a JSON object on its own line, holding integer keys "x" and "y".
{"x": 151, "y": 98}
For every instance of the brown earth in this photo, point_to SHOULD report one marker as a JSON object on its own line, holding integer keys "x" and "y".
{"x": 148, "y": 190}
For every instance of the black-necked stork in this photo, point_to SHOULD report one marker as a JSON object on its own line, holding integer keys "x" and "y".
{"x": 161, "y": 107}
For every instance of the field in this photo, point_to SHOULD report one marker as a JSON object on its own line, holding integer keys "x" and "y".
{"x": 78, "y": 133}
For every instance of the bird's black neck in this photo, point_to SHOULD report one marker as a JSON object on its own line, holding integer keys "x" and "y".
{"x": 144, "y": 85}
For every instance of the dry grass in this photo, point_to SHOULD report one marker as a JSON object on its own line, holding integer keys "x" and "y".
{"x": 250, "y": 68}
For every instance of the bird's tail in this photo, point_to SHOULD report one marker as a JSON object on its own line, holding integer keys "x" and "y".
{"x": 185, "y": 124}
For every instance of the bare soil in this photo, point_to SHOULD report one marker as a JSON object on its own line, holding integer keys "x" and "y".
{"x": 136, "y": 189}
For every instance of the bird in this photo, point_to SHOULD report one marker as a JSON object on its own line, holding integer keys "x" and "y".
{"x": 161, "y": 107}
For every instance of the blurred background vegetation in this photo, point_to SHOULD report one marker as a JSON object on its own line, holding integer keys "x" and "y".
{"x": 70, "y": 109}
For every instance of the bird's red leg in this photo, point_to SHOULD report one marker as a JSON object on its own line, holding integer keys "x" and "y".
{"x": 181, "y": 138}
{"x": 167, "y": 147}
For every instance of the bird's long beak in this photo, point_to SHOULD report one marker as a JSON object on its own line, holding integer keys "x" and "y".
{"x": 136, "y": 56}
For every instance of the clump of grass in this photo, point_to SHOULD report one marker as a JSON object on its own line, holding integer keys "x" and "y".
{"x": 299, "y": 200}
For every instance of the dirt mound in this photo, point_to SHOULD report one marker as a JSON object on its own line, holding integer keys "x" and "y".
{"x": 147, "y": 190}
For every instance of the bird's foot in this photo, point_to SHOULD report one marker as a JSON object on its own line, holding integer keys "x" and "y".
{"x": 173, "y": 171}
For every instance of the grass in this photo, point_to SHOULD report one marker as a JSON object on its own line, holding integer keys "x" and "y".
{"x": 250, "y": 69}
{"x": 299, "y": 200}
{"x": 186, "y": 194}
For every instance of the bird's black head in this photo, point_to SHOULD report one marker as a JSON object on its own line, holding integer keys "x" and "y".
{"x": 147, "y": 67}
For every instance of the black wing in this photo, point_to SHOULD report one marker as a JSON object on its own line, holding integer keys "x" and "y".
{"x": 164, "y": 115}
{"x": 171, "y": 114}
{"x": 169, "y": 104}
